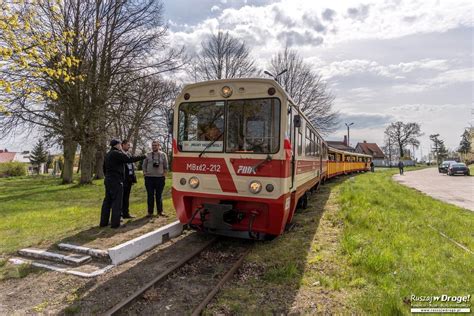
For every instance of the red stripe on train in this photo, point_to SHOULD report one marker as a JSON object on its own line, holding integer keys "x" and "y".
{"x": 216, "y": 166}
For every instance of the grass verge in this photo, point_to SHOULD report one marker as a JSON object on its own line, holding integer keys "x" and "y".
{"x": 364, "y": 246}
{"x": 39, "y": 210}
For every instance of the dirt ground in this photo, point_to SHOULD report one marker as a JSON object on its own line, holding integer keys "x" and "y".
{"x": 106, "y": 238}
{"x": 49, "y": 292}
{"x": 184, "y": 290}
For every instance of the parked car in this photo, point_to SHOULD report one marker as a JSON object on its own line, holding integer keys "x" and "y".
{"x": 443, "y": 167}
{"x": 458, "y": 168}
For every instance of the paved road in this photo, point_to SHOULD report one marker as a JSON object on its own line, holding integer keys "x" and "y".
{"x": 457, "y": 190}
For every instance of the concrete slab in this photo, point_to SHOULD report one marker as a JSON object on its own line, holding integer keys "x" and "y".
{"x": 135, "y": 247}
{"x": 457, "y": 190}
{"x": 97, "y": 253}
{"x": 71, "y": 259}
{"x": 61, "y": 268}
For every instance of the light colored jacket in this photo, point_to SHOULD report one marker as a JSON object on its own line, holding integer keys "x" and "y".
{"x": 149, "y": 170}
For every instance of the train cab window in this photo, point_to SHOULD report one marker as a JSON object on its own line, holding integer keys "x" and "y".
{"x": 200, "y": 126}
{"x": 253, "y": 126}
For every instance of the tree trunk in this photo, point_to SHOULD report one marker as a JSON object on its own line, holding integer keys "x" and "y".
{"x": 99, "y": 161}
{"x": 69, "y": 151}
{"x": 402, "y": 154}
{"x": 87, "y": 161}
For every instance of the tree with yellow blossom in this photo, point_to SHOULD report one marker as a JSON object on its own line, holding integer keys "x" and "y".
{"x": 32, "y": 52}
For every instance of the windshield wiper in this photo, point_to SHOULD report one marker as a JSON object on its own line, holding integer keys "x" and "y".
{"x": 210, "y": 144}
{"x": 261, "y": 163}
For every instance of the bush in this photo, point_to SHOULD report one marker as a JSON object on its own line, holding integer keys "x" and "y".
{"x": 12, "y": 169}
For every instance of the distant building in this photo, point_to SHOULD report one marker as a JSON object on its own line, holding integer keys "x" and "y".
{"x": 23, "y": 157}
{"x": 373, "y": 150}
{"x": 340, "y": 145}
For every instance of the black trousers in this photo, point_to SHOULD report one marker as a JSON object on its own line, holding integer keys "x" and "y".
{"x": 127, "y": 187}
{"x": 112, "y": 200}
{"x": 154, "y": 189}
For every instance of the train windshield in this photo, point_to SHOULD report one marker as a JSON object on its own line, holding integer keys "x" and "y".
{"x": 201, "y": 126}
{"x": 253, "y": 126}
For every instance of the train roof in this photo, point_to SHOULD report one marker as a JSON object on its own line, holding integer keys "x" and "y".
{"x": 271, "y": 82}
{"x": 332, "y": 149}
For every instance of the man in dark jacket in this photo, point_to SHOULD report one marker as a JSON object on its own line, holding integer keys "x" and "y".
{"x": 130, "y": 179}
{"x": 401, "y": 165}
{"x": 114, "y": 170}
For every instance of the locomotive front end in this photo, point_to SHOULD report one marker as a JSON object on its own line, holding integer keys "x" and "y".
{"x": 230, "y": 171}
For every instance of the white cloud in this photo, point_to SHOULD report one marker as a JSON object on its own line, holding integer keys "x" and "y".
{"x": 397, "y": 71}
{"x": 215, "y": 8}
{"x": 374, "y": 54}
{"x": 348, "y": 21}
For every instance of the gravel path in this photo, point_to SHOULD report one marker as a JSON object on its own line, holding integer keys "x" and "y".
{"x": 457, "y": 190}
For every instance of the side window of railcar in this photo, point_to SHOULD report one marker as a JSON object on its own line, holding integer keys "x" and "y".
{"x": 308, "y": 142}
{"x": 199, "y": 124}
{"x": 300, "y": 142}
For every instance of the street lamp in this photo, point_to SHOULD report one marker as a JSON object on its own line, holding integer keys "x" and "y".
{"x": 348, "y": 132}
{"x": 273, "y": 76}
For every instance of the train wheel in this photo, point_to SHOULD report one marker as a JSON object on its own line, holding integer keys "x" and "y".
{"x": 304, "y": 201}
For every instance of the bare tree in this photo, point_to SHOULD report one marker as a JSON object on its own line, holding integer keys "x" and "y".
{"x": 403, "y": 134}
{"x": 306, "y": 88}
{"x": 112, "y": 40}
{"x": 222, "y": 56}
{"x": 141, "y": 111}
{"x": 439, "y": 149}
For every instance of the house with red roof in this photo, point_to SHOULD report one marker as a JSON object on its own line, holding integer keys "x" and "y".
{"x": 23, "y": 157}
{"x": 372, "y": 149}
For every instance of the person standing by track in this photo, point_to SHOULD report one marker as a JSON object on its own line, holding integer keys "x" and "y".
{"x": 114, "y": 170}
{"x": 155, "y": 167}
{"x": 129, "y": 180}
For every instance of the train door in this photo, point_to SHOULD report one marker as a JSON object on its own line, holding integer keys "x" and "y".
{"x": 291, "y": 131}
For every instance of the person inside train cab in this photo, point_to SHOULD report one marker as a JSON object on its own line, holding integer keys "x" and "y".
{"x": 155, "y": 167}
{"x": 213, "y": 133}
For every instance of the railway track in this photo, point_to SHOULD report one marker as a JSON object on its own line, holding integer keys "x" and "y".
{"x": 210, "y": 258}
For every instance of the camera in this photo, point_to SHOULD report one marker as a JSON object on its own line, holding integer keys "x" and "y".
{"x": 156, "y": 163}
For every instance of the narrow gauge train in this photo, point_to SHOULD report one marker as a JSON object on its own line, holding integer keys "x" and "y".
{"x": 245, "y": 156}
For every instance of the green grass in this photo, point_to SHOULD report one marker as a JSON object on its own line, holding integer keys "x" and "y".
{"x": 389, "y": 240}
{"x": 39, "y": 210}
{"x": 363, "y": 246}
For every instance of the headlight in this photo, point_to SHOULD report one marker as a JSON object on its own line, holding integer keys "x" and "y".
{"x": 226, "y": 91}
{"x": 255, "y": 187}
{"x": 270, "y": 187}
{"x": 193, "y": 182}
{"x": 182, "y": 181}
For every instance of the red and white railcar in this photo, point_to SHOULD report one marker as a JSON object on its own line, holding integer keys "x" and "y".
{"x": 244, "y": 156}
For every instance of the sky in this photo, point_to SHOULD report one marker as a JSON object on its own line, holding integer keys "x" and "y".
{"x": 383, "y": 60}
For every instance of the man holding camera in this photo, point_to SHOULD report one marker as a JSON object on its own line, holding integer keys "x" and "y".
{"x": 155, "y": 167}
